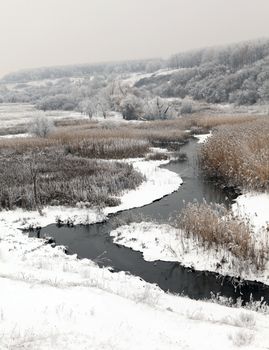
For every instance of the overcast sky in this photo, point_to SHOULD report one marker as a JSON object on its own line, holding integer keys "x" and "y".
{"x": 56, "y": 32}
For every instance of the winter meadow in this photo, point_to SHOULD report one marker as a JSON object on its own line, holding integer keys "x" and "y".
{"x": 134, "y": 190}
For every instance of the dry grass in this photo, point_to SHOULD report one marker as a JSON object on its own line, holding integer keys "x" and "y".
{"x": 215, "y": 226}
{"x": 99, "y": 144}
{"x": 62, "y": 168}
{"x": 238, "y": 155}
{"x": 157, "y": 156}
{"x": 103, "y": 141}
{"x": 163, "y": 131}
{"x": 152, "y": 132}
{"x": 86, "y": 123}
{"x": 51, "y": 177}
{"x": 13, "y": 130}
{"x": 210, "y": 122}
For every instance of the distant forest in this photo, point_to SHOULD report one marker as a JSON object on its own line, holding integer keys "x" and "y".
{"x": 236, "y": 74}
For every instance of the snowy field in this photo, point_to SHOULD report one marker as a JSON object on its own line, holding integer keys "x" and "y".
{"x": 21, "y": 115}
{"x": 51, "y": 300}
{"x": 135, "y": 77}
{"x": 13, "y": 114}
{"x": 203, "y": 137}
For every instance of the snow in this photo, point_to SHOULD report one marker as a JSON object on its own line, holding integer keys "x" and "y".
{"x": 160, "y": 182}
{"x": 166, "y": 71}
{"x": 255, "y": 207}
{"x": 17, "y": 115}
{"x": 51, "y": 300}
{"x": 135, "y": 77}
{"x": 111, "y": 119}
{"x": 157, "y": 242}
{"x": 164, "y": 242}
{"x": 203, "y": 137}
{"x": 11, "y": 136}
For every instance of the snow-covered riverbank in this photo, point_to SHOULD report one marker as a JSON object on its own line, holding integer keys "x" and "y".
{"x": 164, "y": 242}
{"x": 254, "y": 207}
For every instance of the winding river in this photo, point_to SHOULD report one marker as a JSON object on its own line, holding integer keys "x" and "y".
{"x": 95, "y": 243}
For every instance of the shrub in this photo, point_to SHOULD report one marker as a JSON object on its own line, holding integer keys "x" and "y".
{"x": 131, "y": 107}
{"x": 242, "y": 338}
{"x": 41, "y": 126}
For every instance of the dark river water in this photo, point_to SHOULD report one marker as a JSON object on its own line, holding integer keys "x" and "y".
{"x": 94, "y": 242}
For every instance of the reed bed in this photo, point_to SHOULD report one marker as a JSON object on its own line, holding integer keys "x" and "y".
{"x": 51, "y": 177}
{"x": 238, "y": 155}
{"x": 216, "y": 227}
{"x": 213, "y": 121}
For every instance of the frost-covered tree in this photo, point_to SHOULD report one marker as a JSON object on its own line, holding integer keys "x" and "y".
{"x": 41, "y": 126}
{"x": 186, "y": 107}
{"x": 87, "y": 107}
{"x": 56, "y": 102}
{"x": 234, "y": 73}
{"x": 131, "y": 107}
{"x": 154, "y": 65}
{"x": 158, "y": 108}
{"x": 102, "y": 105}
{"x": 264, "y": 91}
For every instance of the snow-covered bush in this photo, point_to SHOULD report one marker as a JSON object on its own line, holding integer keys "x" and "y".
{"x": 242, "y": 338}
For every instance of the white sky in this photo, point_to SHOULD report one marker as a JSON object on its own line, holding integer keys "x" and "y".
{"x": 56, "y": 32}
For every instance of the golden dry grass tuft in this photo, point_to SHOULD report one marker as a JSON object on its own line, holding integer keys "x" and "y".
{"x": 215, "y": 227}
{"x": 238, "y": 155}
